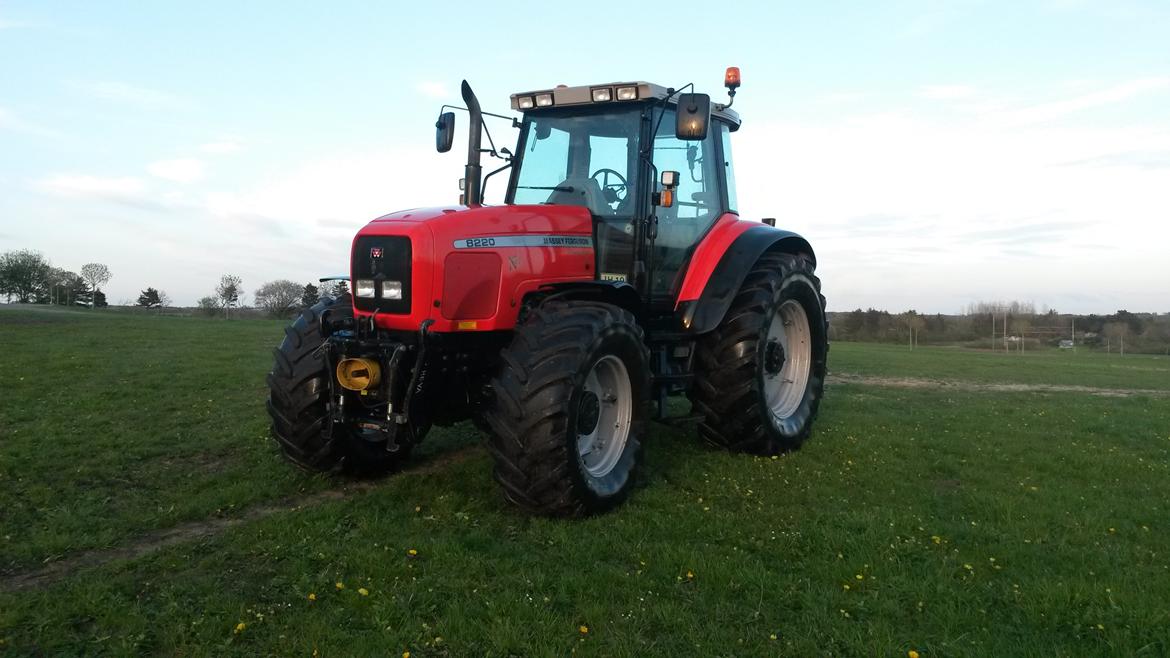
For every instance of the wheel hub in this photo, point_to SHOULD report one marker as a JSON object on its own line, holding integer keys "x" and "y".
{"x": 773, "y": 357}
{"x": 588, "y": 413}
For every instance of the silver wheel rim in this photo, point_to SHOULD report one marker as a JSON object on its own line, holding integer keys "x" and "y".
{"x": 788, "y": 359}
{"x": 601, "y": 446}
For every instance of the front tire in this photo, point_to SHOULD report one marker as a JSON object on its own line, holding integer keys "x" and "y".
{"x": 570, "y": 409}
{"x": 760, "y": 374}
{"x": 298, "y": 402}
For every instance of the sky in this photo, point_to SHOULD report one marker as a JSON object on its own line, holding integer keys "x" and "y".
{"x": 934, "y": 153}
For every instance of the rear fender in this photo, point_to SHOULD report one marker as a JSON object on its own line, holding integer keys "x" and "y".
{"x": 708, "y": 294}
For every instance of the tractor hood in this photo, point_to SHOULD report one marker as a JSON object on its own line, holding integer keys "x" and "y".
{"x": 468, "y": 268}
{"x": 573, "y": 219}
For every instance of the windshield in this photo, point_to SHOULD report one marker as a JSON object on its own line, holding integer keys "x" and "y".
{"x": 585, "y": 160}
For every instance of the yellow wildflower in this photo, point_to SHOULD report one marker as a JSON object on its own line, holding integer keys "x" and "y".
{"x": 859, "y": 577}
{"x": 339, "y": 585}
{"x": 363, "y": 591}
{"x": 406, "y": 654}
{"x": 412, "y": 552}
{"x": 690, "y": 575}
{"x": 772, "y": 636}
{"x": 846, "y": 586}
{"x": 312, "y": 596}
{"x": 583, "y": 629}
{"x": 911, "y": 654}
{"x": 240, "y": 627}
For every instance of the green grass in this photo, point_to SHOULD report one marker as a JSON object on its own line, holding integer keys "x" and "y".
{"x": 980, "y": 523}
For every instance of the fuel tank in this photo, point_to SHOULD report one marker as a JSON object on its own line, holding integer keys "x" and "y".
{"x": 466, "y": 268}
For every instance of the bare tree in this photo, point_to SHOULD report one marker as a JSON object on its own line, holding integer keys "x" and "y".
{"x": 97, "y": 275}
{"x": 1023, "y": 325}
{"x": 164, "y": 300}
{"x": 1117, "y": 331}
{"x": 229, "y": 291}
{"x": 914, "y": 322}
{"x": 278, "y": 297}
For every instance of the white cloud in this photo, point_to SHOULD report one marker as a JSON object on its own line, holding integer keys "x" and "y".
{"x": 1043, "y": 112}
{"x": 221, "y": 147}
{"x": 10, "y": 121}
{"x": 128, "y": 94}
{"x": 179, "y": 170}
{"x": 432, "y": 89}
{"x": 86, "y": 186}
{"x": 946, "y": 92}
{"x": 909, "y": 211}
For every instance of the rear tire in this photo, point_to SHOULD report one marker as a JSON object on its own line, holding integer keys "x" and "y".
{"x": 760, "y": 374}
{"x": 569, "y": 411}
{"x": 299, "y": 404}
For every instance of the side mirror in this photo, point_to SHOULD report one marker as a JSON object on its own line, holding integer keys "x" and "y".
{"x": 694, "y": 116}
{"x": 444, "y": 132}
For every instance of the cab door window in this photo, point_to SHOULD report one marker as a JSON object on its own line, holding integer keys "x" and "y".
{"x": 698, "y": 199}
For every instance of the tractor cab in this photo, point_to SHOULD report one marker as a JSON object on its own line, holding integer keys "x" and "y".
{"x": 607, "y": 148}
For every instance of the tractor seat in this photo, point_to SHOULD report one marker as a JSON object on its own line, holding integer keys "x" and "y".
{"x": 586, "y": 193}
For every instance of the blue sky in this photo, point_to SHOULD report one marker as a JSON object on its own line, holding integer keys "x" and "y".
{"x": 935, "y": 153}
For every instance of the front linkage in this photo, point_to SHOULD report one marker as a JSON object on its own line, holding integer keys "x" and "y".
{"x": 374, "y": 381}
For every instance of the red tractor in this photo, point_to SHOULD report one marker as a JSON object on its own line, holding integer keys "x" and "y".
{"x": 616, "y": 274}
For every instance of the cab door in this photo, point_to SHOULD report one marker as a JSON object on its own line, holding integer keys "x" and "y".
{"x": 700, "y": 199}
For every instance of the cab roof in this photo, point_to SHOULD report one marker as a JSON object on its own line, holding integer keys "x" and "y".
{"x": 613, "y": 93}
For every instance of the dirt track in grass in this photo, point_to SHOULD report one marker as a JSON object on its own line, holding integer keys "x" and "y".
{"x": 196, "y": 530}
{"x": 965, "y": 386}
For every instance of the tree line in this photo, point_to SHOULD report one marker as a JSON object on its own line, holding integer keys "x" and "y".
{"x": 278, "y": 299}
{"x": 28, "y": 277}
{"x": 1007, "y": 326}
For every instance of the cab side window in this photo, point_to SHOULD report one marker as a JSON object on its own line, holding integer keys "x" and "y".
{"x": 698, "y": 199}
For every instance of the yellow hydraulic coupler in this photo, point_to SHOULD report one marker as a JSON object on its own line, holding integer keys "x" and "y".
{"x": 358, "y": 374}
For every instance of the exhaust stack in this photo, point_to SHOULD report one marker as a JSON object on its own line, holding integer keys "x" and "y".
{"x": 472, "y": 185}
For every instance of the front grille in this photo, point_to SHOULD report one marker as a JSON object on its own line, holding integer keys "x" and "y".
{"x": 394, "y": 264}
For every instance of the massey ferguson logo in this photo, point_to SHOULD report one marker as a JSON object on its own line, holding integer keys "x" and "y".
{"x": 375, "y": 252}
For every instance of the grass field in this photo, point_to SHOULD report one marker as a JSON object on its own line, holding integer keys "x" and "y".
{"x": 144, "y": 510}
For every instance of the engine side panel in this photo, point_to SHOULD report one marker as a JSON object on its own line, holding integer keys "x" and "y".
{"x": 500, "y": 254}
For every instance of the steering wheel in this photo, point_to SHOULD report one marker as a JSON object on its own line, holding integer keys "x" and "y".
{"x": 613, "y": 192}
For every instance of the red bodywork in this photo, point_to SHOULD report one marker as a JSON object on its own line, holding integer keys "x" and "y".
{"x": 480, "y": 289}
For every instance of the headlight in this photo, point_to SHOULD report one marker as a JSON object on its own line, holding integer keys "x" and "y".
{"x": 391, "y": 290}
{"x": 363, "y": 288}
{"x": 603, "y": 95}
{"x": 544, "y": 100}
{"x": 627, "y": 93}
{"x": 524, "y": 102}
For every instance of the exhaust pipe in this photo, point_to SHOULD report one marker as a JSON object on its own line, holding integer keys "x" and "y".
{"x": 472, "y": 184}
{"x": 358, "y": 374}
